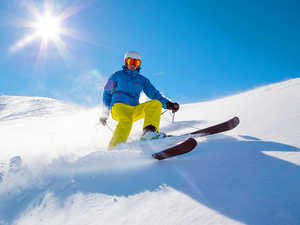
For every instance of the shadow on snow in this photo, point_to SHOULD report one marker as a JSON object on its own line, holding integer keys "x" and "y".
{"x": 229, "y": 176}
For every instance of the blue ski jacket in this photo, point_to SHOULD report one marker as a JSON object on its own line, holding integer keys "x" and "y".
{"x": 125, "y": 86}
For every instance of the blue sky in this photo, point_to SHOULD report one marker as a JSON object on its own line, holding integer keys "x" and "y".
{"x": 192, "y": 50}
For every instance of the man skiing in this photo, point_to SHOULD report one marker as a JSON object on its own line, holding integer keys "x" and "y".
{"x": 121, "y": 97}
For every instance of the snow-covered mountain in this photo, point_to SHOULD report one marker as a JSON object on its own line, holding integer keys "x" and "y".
{"x": 55, "y": 168}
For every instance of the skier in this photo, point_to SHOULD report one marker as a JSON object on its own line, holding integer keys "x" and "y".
{"x": 121, "y": 97}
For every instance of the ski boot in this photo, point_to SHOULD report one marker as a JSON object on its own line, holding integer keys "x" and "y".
{"x": 150, "y": 133}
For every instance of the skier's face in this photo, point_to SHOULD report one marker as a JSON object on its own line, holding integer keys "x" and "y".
{"x": 131, "y": 67}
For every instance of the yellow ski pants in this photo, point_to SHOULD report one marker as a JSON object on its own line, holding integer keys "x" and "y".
{"x": 127, "y": 114}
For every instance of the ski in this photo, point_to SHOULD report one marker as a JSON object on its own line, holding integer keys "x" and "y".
{"x": 218, "y": 128}
{"x": 191, "y": 143}
{"x": 176, "y": 150}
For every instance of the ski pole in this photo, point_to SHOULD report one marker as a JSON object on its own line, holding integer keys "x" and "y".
{"x": 109, "y": 128}
{"x": 164, "y": 111}
{"x": 106, "y": 125}
{"x": 172, "y": 116}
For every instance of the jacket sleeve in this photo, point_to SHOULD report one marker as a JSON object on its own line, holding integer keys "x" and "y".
{"x": 153, "y": 93}
{"x": 108, "y": 91}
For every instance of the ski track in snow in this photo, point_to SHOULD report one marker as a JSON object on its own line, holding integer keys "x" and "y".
{"x": 55, "y": 168}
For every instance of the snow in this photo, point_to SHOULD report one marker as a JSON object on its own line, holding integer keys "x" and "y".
{"x": 55, "y": 168}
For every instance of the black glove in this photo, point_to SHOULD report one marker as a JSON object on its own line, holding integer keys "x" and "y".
{"x": 173, "y": 106}
{"x": 103, "y": 120}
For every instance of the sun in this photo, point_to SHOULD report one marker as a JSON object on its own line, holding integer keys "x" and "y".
{"x": 48, "y": 27}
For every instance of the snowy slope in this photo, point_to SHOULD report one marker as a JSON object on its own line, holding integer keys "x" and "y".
{"x": 33, "y": 108}
{"x": 55, "y": 169}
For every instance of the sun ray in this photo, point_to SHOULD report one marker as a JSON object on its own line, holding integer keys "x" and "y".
{"x": 23, "y": 42}
{"x": 41, "y": 55}
{"x": 48, "y": 8}
{"x": 12, "y": 20}
{"x": 74, "y": 8}
{"x": 80, "y": 36}
{"x": 67, "y": 56}
{"x": 29, "y": 4}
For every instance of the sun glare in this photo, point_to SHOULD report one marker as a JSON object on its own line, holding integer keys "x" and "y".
{"x": 48, "y": 27}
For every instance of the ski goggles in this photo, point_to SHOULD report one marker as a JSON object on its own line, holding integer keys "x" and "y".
{"x": 131, "y": 61}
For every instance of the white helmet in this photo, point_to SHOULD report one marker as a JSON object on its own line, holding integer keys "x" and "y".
{"x": 133, "y": 55}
